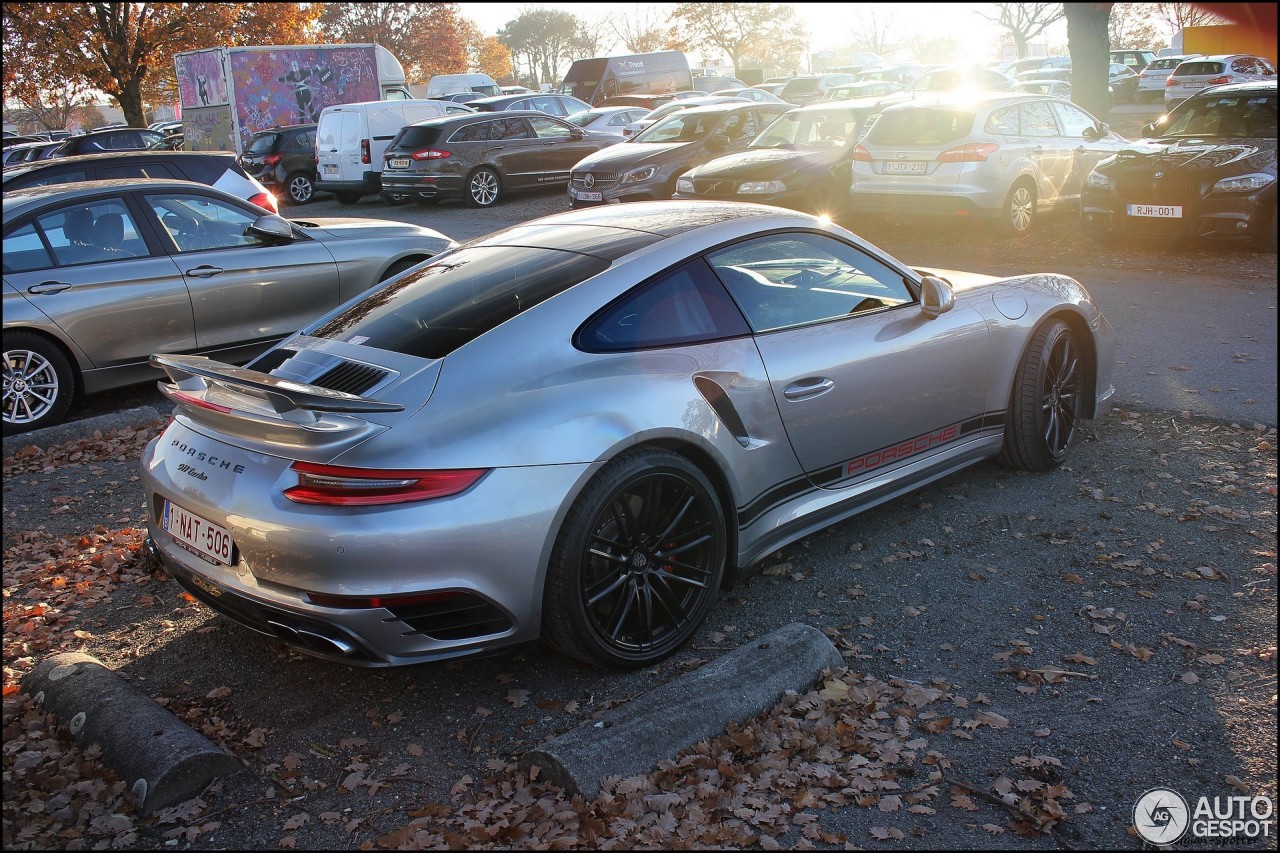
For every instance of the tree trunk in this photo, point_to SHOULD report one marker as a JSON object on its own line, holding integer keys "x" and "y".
{"x": 1020, "y": 42}
{"x": 1089, "y": 42}
{"x": 130, "y": 101}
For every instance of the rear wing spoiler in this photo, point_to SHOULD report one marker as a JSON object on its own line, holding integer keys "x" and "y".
{"x": 193, "y": 375}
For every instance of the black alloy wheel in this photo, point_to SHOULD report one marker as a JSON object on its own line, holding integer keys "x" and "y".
{"x": 639, "y": 562}
{"x": 1046, "y": 401}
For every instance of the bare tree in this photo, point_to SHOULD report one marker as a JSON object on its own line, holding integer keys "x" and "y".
{"x": 592, "y": 39}
{"x": 1131, "y": 26}
{"x": 643, "y": 29}
{"x": 1024, "y": 21}
{"x": 1088, "y": 40}
{"x": 871, "y": 33}
{"x": 1179, "y": 15}
{"x": 736, "y": 29}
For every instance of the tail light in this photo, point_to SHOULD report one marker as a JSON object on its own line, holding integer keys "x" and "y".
{"x": 272, "y": 160}
{"x": 1217, "y": 81}
{"x": 862, "y": 155}
{"x": 1169, "y": 81}
{"x": 335, "y": 485}
{"x": 976, "y": 152}
{"x": 350, "y": 602}
{"x": 365, "y": 156}
{"x": 266, "y": 200}
{"x": 430, "y": 154}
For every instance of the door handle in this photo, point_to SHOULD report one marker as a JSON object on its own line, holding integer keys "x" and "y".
{"x": 806, "y": 388}
{"x": 1038, "y": 150}
{"x": 49, "y": 287}
{"x": 496, "y": 147}
{"x": 204, "y": 271}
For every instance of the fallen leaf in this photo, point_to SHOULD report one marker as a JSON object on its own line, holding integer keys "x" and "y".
{"x": 1190, "y": 678}
{"x": 517, "y": 697}
{"x": 1238, "y": 783}
{"x": 218, "y": 693}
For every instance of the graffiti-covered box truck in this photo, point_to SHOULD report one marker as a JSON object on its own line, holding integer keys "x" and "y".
{"x": 230, "y": 93}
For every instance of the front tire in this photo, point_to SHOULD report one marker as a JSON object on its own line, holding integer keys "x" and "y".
{"x": 299, "y": 189}
{"x": 484, "y": 188}
{"x": 39, "y": 383}
{"x": 1018, "y": 214}
{"x": 1046, "y": 400}
{"x": 638, "y": 562}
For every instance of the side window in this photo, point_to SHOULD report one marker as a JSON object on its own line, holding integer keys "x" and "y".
{"x": 550, "y": 106}
{"x": 41, "y": 179}
{"x": 685, "y": 305}
{"x": 88, "y": 233}
{"x": 546, "y": 128}
{"x": 24, "y": 250}
{"x": 620, "y": 119}
{"x": 1037, "y": 120}
{"x": 1074, "y": 120}
{"x": 202, "y": 170}
{"x": 793, "y": 279}
{"x": 510, "y": 128}
{"x": 521, "y": 105}
{"x": 197, "y": 223}
{"x": 475, "y": 132}
{"x": 1003, "y": 122}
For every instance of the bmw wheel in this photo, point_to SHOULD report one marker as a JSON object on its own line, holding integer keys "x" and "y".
{"x": 38, "y": 383}
{"x": 300, "y": 189}
{"x": 1018, "y": 214}
{"x": 638, "y": 563}
{"x": 484, "y": 188}
{"x": 1046, "y": 400}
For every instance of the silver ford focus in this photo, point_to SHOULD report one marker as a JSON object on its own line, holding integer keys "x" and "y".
{"x": 581, "y": 428}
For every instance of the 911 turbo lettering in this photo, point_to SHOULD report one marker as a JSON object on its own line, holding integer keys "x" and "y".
{"x": 911, "y": 447}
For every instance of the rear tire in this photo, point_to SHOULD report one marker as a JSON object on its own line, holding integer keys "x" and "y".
{"x": 1045, "y": 402}
{"x": 638, "y": 562}
{"x": 39, "y": 383}
{"x": 484, "y": 187}
{"x": 299, "y": 189}
{"x": 1018, "y": 214}
{"x": 347, "y": 198}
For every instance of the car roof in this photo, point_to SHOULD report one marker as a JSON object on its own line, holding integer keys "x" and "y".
{"x": 944, "y": 100}
{"x": 118, "y": 156}
{"x": 468, "y": 118}
{"x": 16, "y": 202}
{"x": 1259, "y": 86}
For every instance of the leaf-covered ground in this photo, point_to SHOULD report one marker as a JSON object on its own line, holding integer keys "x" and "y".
{"x": 1025, "y": 655}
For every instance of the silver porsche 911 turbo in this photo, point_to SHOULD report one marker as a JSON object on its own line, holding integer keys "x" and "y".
{"x": 582, "y": 427}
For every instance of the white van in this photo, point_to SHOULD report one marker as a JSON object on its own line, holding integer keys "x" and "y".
{"x": 448, "y": 84}
{"x": 350, "y": 140}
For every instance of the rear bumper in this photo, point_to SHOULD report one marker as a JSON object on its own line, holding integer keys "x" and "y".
{"x": 370, "y": 184}
{"x": 424, "y": 186}
{"x": 918, "y": 205}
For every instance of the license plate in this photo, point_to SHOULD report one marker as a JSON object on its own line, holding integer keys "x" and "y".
{"x": 331, "y": 168}
{"x": 200, "y": 536}
{"x": 1193, "y": 85}
{"x": 915, "y": 167}
{"x": 1156, "y": 211}
{"x": 398, "y": 162}
{"x": 582, "y": 195}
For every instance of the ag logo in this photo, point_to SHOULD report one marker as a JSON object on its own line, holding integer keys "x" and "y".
{"x": 1161, "y": 816}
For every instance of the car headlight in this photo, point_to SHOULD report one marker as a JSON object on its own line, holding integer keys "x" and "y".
{"x": 1243, "y": 183}
{"x": 684, "y": 185}
{"x": 639, "y": 175}
{"x": 761, "y": 187}
{"x": 1098, "y": 181}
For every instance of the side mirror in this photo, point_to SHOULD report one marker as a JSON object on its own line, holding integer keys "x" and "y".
{"x": 1149, "y": 129}
{"x": 1092, "y": 133}
{"x": 936, "y": 296}
{"x": 717, "y": 142}
{"x": 272, "y": 228}
{"x": 577, "y": 134}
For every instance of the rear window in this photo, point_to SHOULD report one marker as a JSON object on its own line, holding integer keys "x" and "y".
{"x": 431, "y": 312}
{"x": 920, "y": 127}
{"x": 1187, "y": 68}
{"x": 801, "y": 86}
{"x": 1164, "y": 64}
{"x": 263, "y": 143}
{"x": 416, "y": 137}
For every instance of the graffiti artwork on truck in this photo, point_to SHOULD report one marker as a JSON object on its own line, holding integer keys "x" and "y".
{"x": 292, "y": 85}
{"x": 200, "y": 79}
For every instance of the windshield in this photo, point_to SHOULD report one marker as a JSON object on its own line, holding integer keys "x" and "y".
{"x": 262, "y": 143}
{"x": 682, "y": 127}
{"x": 1226, "y": 116}
{"x": 814, "y": 130}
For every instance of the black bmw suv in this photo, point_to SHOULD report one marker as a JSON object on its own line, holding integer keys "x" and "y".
{"x": 1207, "y": 169}
{"x": 284, "y": 160}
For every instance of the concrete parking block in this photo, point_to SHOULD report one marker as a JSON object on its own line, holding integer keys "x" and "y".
{"x": 162, "y": 759}
{"x": 697, "y": 705}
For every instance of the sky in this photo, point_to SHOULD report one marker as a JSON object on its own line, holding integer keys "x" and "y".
{"x": 829, "y": 24}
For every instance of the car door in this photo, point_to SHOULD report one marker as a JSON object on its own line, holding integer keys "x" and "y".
{"x": 514, "y": 150}
{"x": 857, "y": 371}
{"x": 557, "y": 150}
{"x": 119, "y": 297}
{"x": 243, "y": 289}
{"x": 1086, "y": 150}
{"x": 1046, "y": 149}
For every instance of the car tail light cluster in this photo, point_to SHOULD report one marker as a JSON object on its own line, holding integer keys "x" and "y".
{"x": 430, "y": 154}
{"x": 266, "y": 200}
{"x": 862, "y": 155}
{"x": 336, "y": 485}
{"x": 975, "y": 152}
{"x": 271, "y": 160}
{"x": 365, "y": 156}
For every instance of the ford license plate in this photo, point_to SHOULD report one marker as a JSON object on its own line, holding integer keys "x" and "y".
{"x": 583, "y": 195}
{"x": 200, "y": 536}
{"x": 331, "y": 168}
{"x": 1156, "y": 211}
{"x": 911, "y": 167}
{"x": 398, "y": 162}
